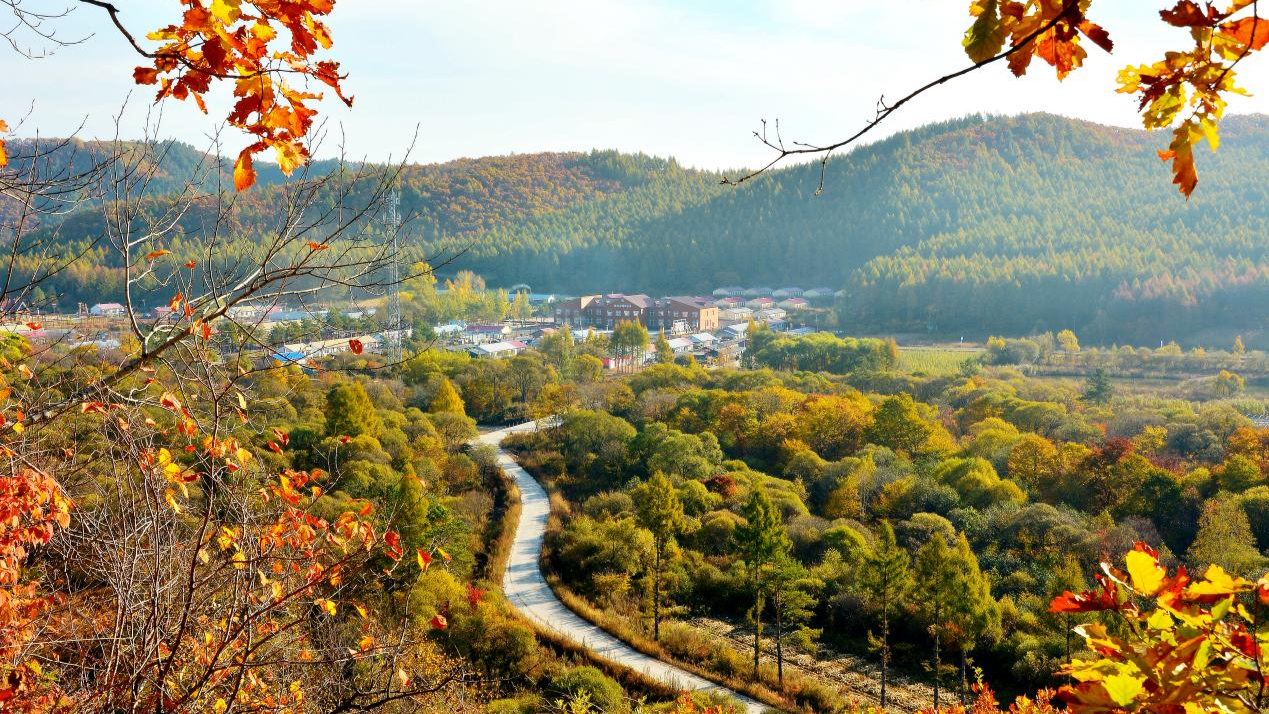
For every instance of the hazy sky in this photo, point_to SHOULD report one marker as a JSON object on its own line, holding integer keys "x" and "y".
{"x": 689, "y": 79}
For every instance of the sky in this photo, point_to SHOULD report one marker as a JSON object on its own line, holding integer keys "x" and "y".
{"x": 690, "y": 79}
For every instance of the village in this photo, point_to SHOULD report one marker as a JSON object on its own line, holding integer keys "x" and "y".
{"x": 710, "y": 330}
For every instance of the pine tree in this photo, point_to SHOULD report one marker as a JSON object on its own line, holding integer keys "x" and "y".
{"x": 1098, "y": 389}
{"x": 659, "y": 510}
{"x": 1225, "y": 539}
{"x": 447, "y": 399}
{"x": 793, "y": 602}
{"x": 665, "y": 354}
{"x": 938, "y": 591}
{"x": 761, "y": 541}
{"x": 977, "y": 616}
{"x": 885, "y": 578}
{"x": 349, "y": 412}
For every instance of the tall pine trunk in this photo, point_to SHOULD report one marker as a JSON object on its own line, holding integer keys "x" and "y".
{"x": 656, "y": 595}
{"x": 757, "y": 633}
{"x": 964, "y": 680}
{"x": 938, "y": 661}
{"x": 779, "y": 641}
{"x": 885, "y": 646}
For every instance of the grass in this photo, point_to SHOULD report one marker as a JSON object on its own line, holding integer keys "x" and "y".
{"x": 934, "y": 361}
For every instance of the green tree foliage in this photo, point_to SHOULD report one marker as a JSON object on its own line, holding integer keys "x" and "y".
{"x": 762, "y": 542}
{"x": 447, "y": 399}
{"x": 349, "y": 412}
{"x": 1098, "y": 389}
{"x": 885, "y": 579}
{"x": 659, "y": 510}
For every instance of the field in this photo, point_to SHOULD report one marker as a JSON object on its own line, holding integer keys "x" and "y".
{"x": 934, "y": 361}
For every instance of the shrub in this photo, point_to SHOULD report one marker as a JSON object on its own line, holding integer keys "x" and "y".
{"x": 604, "y": 692}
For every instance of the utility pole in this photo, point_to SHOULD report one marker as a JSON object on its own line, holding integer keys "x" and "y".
{"x": 394, "y": 275}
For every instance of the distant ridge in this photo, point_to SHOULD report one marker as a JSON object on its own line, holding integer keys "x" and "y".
{"x": 982, "y": 224}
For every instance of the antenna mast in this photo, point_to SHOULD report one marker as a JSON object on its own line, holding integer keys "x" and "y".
{"x": 394, "y": 275}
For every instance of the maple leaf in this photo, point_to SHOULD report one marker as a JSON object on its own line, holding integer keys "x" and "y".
{"x": 424, "y": 559}
{"x": 244, "y": 172}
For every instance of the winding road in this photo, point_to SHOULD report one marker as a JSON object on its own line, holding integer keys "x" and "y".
{"x": 528, "y": 591}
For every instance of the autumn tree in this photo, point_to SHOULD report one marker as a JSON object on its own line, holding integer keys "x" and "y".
{"x": 665, "y": 355}
{"x": 659, "y": 510}
{"x": 447, "y": 399}
{"x": 349, "y": 412}
{"x": 940, "y": 592}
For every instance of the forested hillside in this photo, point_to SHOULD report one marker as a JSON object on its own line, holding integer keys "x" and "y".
{"x": 1070, "y": 224}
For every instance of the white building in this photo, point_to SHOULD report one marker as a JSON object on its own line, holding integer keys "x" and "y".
{"x": 794, "y": 303}
{"x": 787, "y": 293}
{"x": 107, "y": 308}
{"x": 738, "y": 314}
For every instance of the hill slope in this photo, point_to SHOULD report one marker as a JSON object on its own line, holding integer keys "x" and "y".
{"x": 980, "y": 224}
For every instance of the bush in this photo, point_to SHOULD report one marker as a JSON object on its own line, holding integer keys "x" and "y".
{"x": 604, "y": 692}
{"x": 524, "y": 704}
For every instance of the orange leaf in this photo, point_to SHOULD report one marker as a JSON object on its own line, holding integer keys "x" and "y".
{"x": 244, "y": 172}
{"x": 317, "y": 246}
{"x": 34, "y": 325}
{"x": 157, "y": 254}
{"x": 190, "y": 264}
{"x": 425, "y": 560}
{"x": 439, "y": 622}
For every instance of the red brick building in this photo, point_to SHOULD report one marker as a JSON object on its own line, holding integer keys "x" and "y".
{"x": 692, "y": 314}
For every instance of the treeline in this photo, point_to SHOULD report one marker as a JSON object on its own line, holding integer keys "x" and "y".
{"x": 818, "y": 352}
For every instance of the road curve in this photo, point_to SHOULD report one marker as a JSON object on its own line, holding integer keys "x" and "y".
{"x": 528, "y": 591}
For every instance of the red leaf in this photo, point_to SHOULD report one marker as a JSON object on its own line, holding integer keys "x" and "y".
{"x": 439, "y": 622}
{"x": 356, "y": 346}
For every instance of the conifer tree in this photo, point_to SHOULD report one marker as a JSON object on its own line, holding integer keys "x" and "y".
{"x": 447, "y": 399}
{"x": 761, "y": 541}
{"x": 978, "y": 615}
{"x": 659, "y": 510}
{"x": 665, "y": 354}
{"x": 885, "y": 578}
{"x": 938, "y": 591}
{"x": 1225, "y": 539}
{"x": 349, "y": 412}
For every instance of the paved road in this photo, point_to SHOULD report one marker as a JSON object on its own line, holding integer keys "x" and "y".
{"x": 529, "y": 593}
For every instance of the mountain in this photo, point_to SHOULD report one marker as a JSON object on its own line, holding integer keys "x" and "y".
{"x": 984, "y": 224}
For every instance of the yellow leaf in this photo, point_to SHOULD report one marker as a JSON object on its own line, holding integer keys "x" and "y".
{"x": 1143, "y": 568}
{"x": 170, "y": 497}
{"x": 326, "y": 605}
{"x": 1122, "y": 688}
{"x": 219, "y": 707}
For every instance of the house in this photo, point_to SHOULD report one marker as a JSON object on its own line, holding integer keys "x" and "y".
{"x": 250, "y": 313}
{"x": 107, "y": 308}
{"x": 680, "y": 314}
{"x": 681, "y": 345}
{"x": 818, "y": 294}
{"x": 602, "y": 311}
{"x": 736, "y": 314}
{"x": 733, "y": 301}
{"x": 498, "y": 350}
{"x": 734, "y": 332}
{"x": 761, "y": 303}
{"x": 786, "y": 293}
{"x": 449, "y": 330}
{"x": 729, "y": 291}
{"x": 334, "y": 346}
{"x": 770, "y": 314}
{"x": 485, "y": 333}
{"x": 757, "y": 292}
{"x": 703, "y": 339}
{"x": 794, "y": 303}
{"x": 840, "y": 294}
